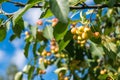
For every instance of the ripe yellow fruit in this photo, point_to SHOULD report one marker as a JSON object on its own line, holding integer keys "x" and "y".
{"x": 56, "y": 49}
{"x": 102, "y": 72}
{"x": 73, "y": 30}
{"x": 44, "y": 53}
{"x": 45, "y": 61}
{"x": 84, "y": 35}
{"x": 66, "y": 78}
{"x": 79, "y": 38}
{"x": 83, "y": 41}
{"x": 27, "y": 33}
{"x": 82, "y": 45}
{"x": 62, "y": 55}
{"x": 81, "y": 28}
{"x": 79, "y": 32}
{"x": 87, "y": 29}
{"x": 74, "y": 37}
{"x": 41, "y": 60}
{"x": 73, "y": 24}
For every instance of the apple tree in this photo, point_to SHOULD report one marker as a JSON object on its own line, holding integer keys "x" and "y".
{"x": 82, "y": 40}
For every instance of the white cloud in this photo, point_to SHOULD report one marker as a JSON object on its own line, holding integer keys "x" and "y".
{"x": 2, "y": 55}
{"x": 18, "y": 42}
{"x": 19, "y": 58}
{"x": 32, "y": 15}
{"x": 89, "y": 2}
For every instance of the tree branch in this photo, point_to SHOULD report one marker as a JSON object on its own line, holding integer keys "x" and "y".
{"x": 71, "y": 7}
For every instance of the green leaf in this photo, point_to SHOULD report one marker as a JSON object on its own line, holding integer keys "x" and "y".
{"x": 103, "y": 77}
{"x": 75, "y": 2}
{"x": 96, "y": 50}
{"x": 48, "y": 32}
{"x": 34, "y": 31}
{"x": 18, "y": 27}
{"x": 60, "y": 8}
{"x": 60, "y": 69}
{"x": 33, "y": 1}
{"x": 26, "y": 49}
{"x": 8, "y": 24}
{"x": 60, "y": 30}
{"x": 42, "y": 47}
{"x": 111, "y": 3}
{"x": 110, "y": 54}
{"x": 2, "y": 33}
{"x": 65, "y": 41}
{"x": 34, "y": 49}
{"x": 1, "y": 1}
{"x": 18, "y": 76}
{"x": 27, "y": 68}
{"x": 42, "y": 66}
{"x": 19, "y": 14}
{"x": 46, "y": 14}
{"x": 98, "y": 1}
{"x": 110, "y": 46}
{"x": 12, "y": 37}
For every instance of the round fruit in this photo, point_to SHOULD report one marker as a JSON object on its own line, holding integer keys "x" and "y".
{"x": 83, "y": 41}
{"x": 27, "y": 33}
{"x": 27, "y": 36}
{"x": 44, "y": 53}
{"x": 62, "y": 55}
{"x": 75, "y": 37}
{"x": 54, "y": 20}
{"x": 84, "y": 36}
{"x": 73, "y": 30}
{"x": 56, "y": 49}
{"x": 54, "y": 24}
{"x": 52, "y": 47}
{"x": 81, "y": 28}
{"x": 66, "y": 78}
{"x": 82, "y": 45}
{"x": 102, "y": 72}
{"x": 73, "y": 24}
{"x": 79, "y": 38}
{"x": 48, "y": 53}
{"x": 87, "y": 29}
{"x": 96, "y": 34}
{"x": 79, "y": 32}
{"x": 42, "y": 71}
{"x": 39, "y": 22}
{"x": 52, "y": 43}
{"x": 41, "y": 60}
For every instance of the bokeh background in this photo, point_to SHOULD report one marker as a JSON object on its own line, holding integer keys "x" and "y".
{"x": 12, "y": 58}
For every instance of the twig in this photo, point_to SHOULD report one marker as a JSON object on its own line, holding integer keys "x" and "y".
{"x": 3, "y": 23}
{"x": 97, "y": 6}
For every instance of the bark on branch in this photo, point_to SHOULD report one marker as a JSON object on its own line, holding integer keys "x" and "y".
{"x": 97, "y": 6}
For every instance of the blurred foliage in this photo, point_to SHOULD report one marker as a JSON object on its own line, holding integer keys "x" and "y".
{"x": 89, "y": 46}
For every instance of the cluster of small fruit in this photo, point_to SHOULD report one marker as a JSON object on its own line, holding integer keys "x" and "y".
{"x": 54, "y": 46}
{"x": 81, "y": 34}
{"x": 54, "y": 22}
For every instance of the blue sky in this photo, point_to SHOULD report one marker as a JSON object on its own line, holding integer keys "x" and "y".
{"x": 12, "y": 52}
